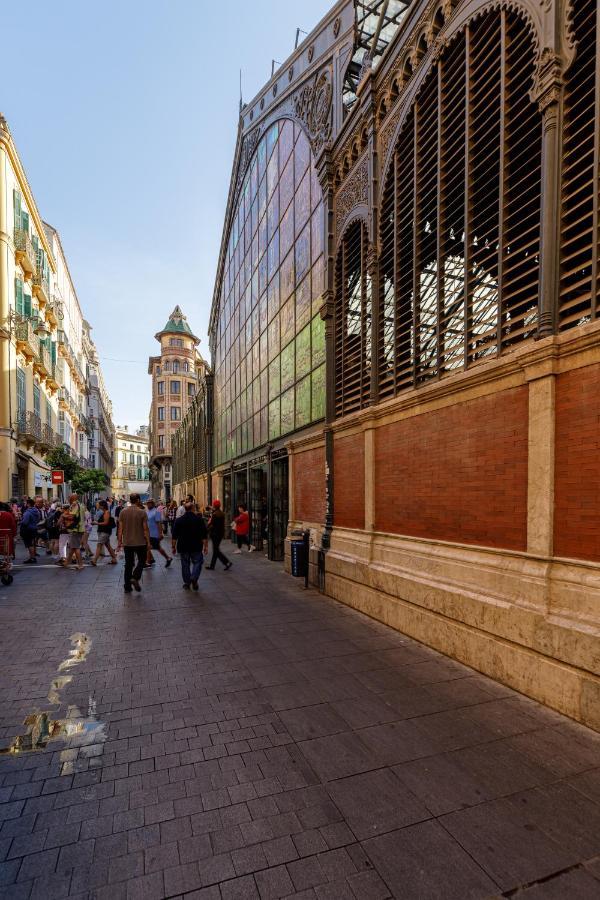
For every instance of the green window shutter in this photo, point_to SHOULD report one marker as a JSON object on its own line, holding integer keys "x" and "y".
{"x": 21, "y": 398}
{"x": 36, "y": 243}
{"x": 17, "y": 208}
{"x": 27, "y": 305}
{"x": 53, "y": 349}
{"x": 25, "y": 220}
{"x": 36, "y": 399}
{"x": 48, "y": 413}
{"x": 19, "y": 297}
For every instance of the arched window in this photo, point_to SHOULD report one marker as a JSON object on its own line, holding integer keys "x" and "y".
{"x": 460, "y": 211}
{"x": 175, "y": 365}
{"x": 580, "y": 234}
{"x": 352, "y": 322}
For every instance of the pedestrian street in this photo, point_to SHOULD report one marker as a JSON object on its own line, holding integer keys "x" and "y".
{"x": 256, "y": 739}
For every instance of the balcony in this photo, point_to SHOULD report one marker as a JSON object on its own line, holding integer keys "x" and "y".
{"x": 52, "y": 378}
{"x": 24, "y": 252}
{"x": 27, "y": 340}
{"x": 43, "y": 362}
{"x": 29, "y": 427}
{"x": 54, "y": 312}
{"x": 41, "y": 286}
{"x": 64, "y": 399}
{"x": 49, "y": 438}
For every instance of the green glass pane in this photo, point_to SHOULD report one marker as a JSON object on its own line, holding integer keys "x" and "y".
{"x": 303, "y": 353}
{"x": 287, "y": 411}
{"x": 288, "y": 319}
{"x": 318, "y": 393}
{"x": 274, "y": 423}
{"x": 318, "y": 341}
{"x": 303, "y": 303}
{"x": 287, "y": 366}
{"x": 274, "y": 338}
{"x": 303, "y": 402}
{"x": 274, "y": 377}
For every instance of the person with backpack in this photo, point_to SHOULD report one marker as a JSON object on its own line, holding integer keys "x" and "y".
{"x": 106, "y": 526}
{"x": 29, "y": 527}
{"x": 75, "y": 522}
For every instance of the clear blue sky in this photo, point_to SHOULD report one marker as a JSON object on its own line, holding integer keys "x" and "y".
{"x": 125, "y": 117}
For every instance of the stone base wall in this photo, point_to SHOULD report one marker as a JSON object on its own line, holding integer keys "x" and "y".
{"x": 467, "y": 515}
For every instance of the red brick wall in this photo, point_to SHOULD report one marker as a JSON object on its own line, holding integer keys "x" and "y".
{"x": 577, "y": 471}
{"x": 309, "y": 485}
{"x": 349, "y": 481}
{"x": 458, "y": 473}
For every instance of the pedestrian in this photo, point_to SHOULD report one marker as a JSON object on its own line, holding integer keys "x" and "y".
{"x": 106, "y": 525}
{"x": 216, "y": 530}
{"x": 180, "y": 510}
{"x": 192, "y": 544}
{"x": 155, "y": 529}
{"x": 75, "y": 522}
{"x": 8, "y": 523}
{"x": 171, "y": 514}
{"x": 134, "y": 538}
{"x": 242, "y": 529}
{"x": 63, "y": 534}
{"x": 53, "y": 530}
{"x": 28, "y": 530}
{"x": 85, "y": 537}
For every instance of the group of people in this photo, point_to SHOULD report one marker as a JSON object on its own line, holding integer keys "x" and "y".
{"x": 63, "y": 530}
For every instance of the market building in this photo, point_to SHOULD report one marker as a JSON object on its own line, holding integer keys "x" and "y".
{"x": 176, "y": 374}
{"x": 415, "y": 202}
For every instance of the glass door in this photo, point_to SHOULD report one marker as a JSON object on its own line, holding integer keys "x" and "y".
{"x": 279, "y": 508}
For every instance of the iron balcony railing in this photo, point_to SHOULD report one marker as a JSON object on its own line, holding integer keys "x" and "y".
{"x": 41, "y": 284}
{"x": 44, "y": 361}
{"x": 29, "y": 426}
{"x": 25, "y": 251}
{"x": 54, "y": 311}
{"x": 27, "y": 338}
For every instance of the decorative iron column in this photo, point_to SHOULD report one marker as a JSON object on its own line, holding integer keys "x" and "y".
{"x": 548, "y": 91}
{"x": 325, "y": 173}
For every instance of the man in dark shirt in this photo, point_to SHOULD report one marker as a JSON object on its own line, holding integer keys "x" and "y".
{"x": 191, "y": 537}
{"x": 216, "y": 528}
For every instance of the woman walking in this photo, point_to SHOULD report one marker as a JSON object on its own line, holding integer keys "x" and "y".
{"x": 106, "y": 525}
{"x": 242, "y": 529}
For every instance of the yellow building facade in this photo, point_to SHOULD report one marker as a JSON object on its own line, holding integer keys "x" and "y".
{"x": 45, "y": 354}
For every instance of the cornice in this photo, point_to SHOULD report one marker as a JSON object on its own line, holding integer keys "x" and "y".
{"x": 6, "y": 140}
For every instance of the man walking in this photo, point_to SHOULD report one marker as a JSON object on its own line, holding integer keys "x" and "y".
{"x": 155, "y": 529}
{"x": 75, "y": 522}
{"x": 191, "y": 536}
{"x": 29, "y": 528}
{"x": 216, "y": 529}
{"x": 133, "y": 536}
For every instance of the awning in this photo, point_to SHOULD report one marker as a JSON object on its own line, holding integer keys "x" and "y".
{"x": 31, "y": 458}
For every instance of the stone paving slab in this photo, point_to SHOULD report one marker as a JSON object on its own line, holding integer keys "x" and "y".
{"x": 258, "y": 740}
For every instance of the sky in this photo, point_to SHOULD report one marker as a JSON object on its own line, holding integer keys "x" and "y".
{"x": 125, "y": 117}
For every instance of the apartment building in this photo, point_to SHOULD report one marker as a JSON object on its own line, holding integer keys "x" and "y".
{"x": 44, "y": 368}
{"x": 102, "y": 438}
{"x": 131, "y": 473}
{"x": 176, "y": 373}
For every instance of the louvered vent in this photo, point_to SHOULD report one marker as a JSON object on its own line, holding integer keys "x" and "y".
{"x": 579, "y": 225}
{"x": 352, "y": 322}
{"x": 460, "y": 212}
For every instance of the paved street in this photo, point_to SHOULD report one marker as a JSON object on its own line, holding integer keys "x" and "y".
{"x": 257, "y": 740}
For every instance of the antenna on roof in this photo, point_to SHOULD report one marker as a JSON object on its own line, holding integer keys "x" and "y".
{"x": 299, "y": 31}
{"x": 274, "y": 62}
{"x": 241, "y": 102}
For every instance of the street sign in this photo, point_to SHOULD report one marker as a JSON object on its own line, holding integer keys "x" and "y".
{"x": 58, "y": 476}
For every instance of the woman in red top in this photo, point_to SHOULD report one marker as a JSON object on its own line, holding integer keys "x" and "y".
{"x": 242, "y": 529}
{"x": 8, "y": 523}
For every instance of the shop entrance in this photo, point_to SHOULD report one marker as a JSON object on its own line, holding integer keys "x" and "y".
{"x": 279, "y": 508}
{"x": 259, "y": 506}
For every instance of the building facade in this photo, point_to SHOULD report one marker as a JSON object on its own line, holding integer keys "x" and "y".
{"x": 132, "y": 470}
{"x": 192, "y": 446}
{"x": 175, "y": 373}
{"x": 45, "y": 355}
{"x": 30, "y": 315}
{"x": 451, "y": 488}
{"x": 102, "y": 436}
